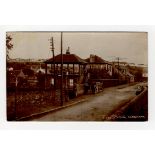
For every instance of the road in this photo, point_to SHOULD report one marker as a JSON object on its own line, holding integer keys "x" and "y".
{"x": 95, "y": 107}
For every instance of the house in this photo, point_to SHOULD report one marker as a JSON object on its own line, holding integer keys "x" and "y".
{"x": 15, "y": 78}
{"x": 98, "y": 67}
{"x": 124, "y": 71}
{"x": 145, "y": 73}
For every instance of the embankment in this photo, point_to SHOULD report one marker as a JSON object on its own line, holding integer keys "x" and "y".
{"x": 134, "y": 110}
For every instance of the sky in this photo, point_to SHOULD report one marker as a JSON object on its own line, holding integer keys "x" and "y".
{"x": 128, "y": 46}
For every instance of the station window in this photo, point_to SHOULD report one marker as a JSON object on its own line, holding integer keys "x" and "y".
{"x": 71, "y": 68}
{"x": 76, "y": 68}
{"x": 52, "y": 81}
{"x": 71, "y": 82}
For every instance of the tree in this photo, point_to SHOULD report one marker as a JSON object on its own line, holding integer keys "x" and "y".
{"x": 9, "y": 45}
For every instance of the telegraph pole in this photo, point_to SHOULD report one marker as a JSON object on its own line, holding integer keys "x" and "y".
{"x": 52, "y": 50}
{"x": 61, "y": 94}
{"x": 118, "y": 62}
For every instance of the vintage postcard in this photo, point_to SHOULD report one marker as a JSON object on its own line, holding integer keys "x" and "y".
{"x": 77, "y": 76}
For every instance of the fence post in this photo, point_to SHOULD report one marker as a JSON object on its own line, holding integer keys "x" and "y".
{"x": 15, "y": 108}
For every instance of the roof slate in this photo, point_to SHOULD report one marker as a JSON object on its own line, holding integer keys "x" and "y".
{"x": 68, "y": 59}
{"x": 97, "y": 59}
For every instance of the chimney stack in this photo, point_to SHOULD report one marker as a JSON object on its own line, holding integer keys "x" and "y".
{"x": 68, "y": 50}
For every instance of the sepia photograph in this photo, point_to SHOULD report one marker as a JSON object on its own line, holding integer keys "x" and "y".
{"x": 77, "y": 76}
